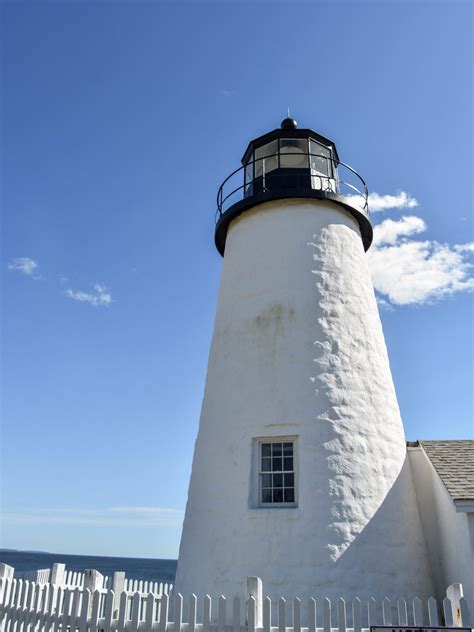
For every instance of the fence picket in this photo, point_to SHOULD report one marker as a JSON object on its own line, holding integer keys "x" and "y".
{"x": 448, "y": 613}
{"x": 326, "y": 615}
{"x": 296, "y": 614}
{"x": 84, "y": 612}
{"x": 357, "y": 615}
{"x": 192, "y": 613}
{"x": 149, "y": 611}
{"x": 267, "y": 614}
{"x": 109, "y": 611}
{"x": 178, "y": 612}
{"x": 402, "y": 612}
{"x": 76, "y": 599}
{"x": 235, "y": 615}
{"x": 417, "y": 611}
{"x": 135, "y": 618}
{"x": 282, "y": 615}
{"x": 24, "y": 587}
{"x": 44, "y": 607}
{"x": 206, "y": 614}
{"x": 66, "y": 609}
{"x": 220, "y": 614}
{"x": 433, "y": 612}
{"x": 49, "y": 614}
{"x": 251, "y": 613}
{"x": 465, "y": 615}
{"x": 341, "y": 615}
{"x": 371, "y": 612}
{"x": 122, "y": 612}
{"x": 312, "y": 624}
{"x": 94, "y": 619}
{"x": 387, "y": 611}
{"x": 164, "y": 605}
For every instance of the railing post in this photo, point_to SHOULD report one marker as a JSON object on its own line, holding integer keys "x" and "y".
{"x": 254, "y": 589}
{"x": 454, "y": 592}
{"x": 58, "y": 572}
{"x": 6, "y": 572}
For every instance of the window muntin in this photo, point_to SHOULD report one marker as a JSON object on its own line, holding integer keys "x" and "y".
{"x": 293, "y": 153}
{"x": 269, "y": 154}
{"x": 320, "y": 159}
{"x": 277, "y": 473}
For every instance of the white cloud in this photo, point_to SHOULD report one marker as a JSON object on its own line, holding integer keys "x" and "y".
{"x": 384, "y": 202}
{"x": 465, "y": 247}
{"x": 406, "y": 271}
{"x": 100, "y": 296}
{"x": 153, "y": 517}
{"x": 390, "y": 231}
{"x": 25, "y": 265}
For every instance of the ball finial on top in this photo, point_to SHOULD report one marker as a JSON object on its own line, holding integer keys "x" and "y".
{"x": 289, "y": 123}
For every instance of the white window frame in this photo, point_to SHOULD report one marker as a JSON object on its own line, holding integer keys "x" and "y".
{"x": 256, "y": 471}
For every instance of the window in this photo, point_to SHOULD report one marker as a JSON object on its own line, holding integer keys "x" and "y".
{"x": 294, "y": 153}
{"x": 248, "y": 185}
{"x": 266, "y": 156}
{"x": 276, "y": 472}
{"x": 320, "y": 159}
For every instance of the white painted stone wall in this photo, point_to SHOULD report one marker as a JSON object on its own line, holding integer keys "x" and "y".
{"x": 449, "y": 534}
{"x": 298, "y": 349}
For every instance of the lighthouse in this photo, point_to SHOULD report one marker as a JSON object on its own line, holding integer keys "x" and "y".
{"x": 300, "y": 473}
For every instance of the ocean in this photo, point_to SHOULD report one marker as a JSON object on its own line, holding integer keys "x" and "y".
{"x": 135, "y": 568}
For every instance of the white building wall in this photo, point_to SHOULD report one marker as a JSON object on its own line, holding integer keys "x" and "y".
{"x": 449, "y": 534}
{"x": 298, "y": 350}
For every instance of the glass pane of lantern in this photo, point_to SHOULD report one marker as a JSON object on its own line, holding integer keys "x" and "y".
{"x": 249, "y": 176}
{"x": 269, "y": 154}
{"x": 293, "y": 153}
{"x": 320, "y": 159}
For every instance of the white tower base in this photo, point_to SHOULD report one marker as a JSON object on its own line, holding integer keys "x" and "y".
{"x": 298, "y": 351}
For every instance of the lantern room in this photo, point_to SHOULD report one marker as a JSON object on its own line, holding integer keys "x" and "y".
{"x": 291, "y": 163}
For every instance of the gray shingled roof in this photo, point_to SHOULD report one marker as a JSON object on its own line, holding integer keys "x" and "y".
{"x": 454, "y": 463}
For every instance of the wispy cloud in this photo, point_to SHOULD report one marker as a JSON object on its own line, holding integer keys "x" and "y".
{"x": 401, "y": 199}
{"x": 100, "y": 297}
{"x": 153, "y": 517}
{"x": 406, "y": 271}
{"x": 25, "y": 265}
{"x": 227, "y": 93}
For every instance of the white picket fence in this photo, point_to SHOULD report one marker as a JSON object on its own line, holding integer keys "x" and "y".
{"x": 157, "y": 588}
{"x": 58, "y": 576}
{"x": 40, "y": 576}
{"x": 32, "y": 607}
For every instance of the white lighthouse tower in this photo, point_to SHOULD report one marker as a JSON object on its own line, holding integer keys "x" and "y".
{"x": 299, "y": 474}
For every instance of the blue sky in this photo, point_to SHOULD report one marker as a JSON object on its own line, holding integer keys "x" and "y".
{"x": 119, "y": 121}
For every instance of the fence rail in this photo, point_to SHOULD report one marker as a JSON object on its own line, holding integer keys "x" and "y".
{"x": 32, "y": 607}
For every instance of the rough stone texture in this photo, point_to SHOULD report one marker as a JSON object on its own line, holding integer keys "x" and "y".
{"x": 298, "y": 350}
{"x": 454, "y": 463}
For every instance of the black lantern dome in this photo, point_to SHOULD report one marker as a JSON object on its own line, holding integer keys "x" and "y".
{"x": 291, "y": 163}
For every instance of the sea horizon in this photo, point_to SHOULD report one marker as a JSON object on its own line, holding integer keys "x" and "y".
{"x": 141, "y": 568}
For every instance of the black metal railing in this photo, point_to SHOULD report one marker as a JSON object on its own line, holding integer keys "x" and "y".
{"x": 321, "y": 172}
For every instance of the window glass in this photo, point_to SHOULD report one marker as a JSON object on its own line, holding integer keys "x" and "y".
{"x": 249, "y": 176}
{"x": 293, "y": 153}
{"x": 276, "y": 472}
{"x": 320, "y": 159}
{"x": 266, "y": 156}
